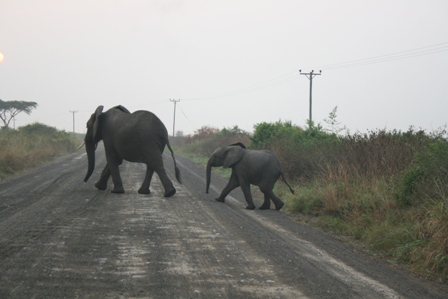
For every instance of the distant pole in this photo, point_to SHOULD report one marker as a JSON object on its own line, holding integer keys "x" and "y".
{"x": 174, "y": 118}
{"x": 73, "y": 112}
{"x": 310, "y": 76}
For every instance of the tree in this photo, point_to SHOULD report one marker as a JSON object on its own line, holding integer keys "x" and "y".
{"x": 9, "y": 109}
{"x": 333, "y": 123}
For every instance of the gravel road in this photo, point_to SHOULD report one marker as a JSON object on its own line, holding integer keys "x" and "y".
{"x": 62, "y": 238}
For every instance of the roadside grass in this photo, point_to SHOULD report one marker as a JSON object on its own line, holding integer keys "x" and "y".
{"x": 385, "y": 190}
{"x": 32, "y": 145}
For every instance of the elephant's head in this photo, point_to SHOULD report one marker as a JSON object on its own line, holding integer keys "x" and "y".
{"x": 93, "y": 136}
{"x": 226, "y": 156}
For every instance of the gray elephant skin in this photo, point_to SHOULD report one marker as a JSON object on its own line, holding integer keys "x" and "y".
{"x": 256, "y": 167}
{"x": 135, "y": 137}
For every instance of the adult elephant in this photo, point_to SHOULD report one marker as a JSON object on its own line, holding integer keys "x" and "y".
{"x": 256, "y": 167}
{"x": 137, "y": 137}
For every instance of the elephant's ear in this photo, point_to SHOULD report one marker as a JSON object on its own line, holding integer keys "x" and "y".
{"x": 96, "y": 124}
{"x": 232, "y": 155}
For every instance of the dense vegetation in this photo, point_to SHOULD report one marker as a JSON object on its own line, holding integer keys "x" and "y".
{"x": 386, "y": 190}
{"x": 31, "y": 145}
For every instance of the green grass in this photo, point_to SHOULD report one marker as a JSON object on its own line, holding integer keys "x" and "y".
{"x": 415, "y": 237}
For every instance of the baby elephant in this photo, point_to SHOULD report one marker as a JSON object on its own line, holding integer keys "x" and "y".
{"x": 256, "y": 167}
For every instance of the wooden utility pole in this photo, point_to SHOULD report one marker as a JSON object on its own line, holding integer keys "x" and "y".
{"x": 310, "y": 76}
{"x": 73, "y": 119}
{"x": 174, "y": 118}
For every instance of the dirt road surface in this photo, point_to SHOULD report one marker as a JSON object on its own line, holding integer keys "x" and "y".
{"x": 62, "y": 238}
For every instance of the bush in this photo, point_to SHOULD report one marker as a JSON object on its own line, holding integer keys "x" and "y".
{"x": 207, "y": 139}
{"x": 426, "y": 177}
{"x": 300, "y": 151}
{"x": 31, "y": 145}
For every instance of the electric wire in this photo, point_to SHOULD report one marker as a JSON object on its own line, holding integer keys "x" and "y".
{"x": 251, "y": 88}
{"x": 290, "y": 76}
{"x": 428, "y": 50}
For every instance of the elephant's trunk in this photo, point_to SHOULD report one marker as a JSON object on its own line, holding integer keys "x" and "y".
{"x": 90, "y": 149}
{"x": 209, "y": 171}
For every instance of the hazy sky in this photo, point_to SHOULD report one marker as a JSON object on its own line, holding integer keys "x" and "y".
{"x": 230, "y": 62}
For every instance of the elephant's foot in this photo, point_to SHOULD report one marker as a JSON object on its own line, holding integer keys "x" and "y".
{"x": 220, "y": 199}
{"x": 279, "y": 206}
{"x": 101, "y": 186}
{"x": 250, "y": 207}
{"x": 265, "y": 207}
{"x": 144, "y": 191}
{"x": 170, "y": 193}
{"x": 118, "y": 190}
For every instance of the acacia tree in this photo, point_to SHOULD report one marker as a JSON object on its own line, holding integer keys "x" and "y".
{"x": 9, "y": 109}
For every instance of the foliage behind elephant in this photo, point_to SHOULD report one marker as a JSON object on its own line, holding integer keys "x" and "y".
{"x": 256, "y": 167}
{"x": 137, "y": 137}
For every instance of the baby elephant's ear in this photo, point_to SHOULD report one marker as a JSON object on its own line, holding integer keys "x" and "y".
{"x": 232, "y": 155}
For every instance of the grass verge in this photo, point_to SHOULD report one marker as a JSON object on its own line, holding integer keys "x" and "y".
{"x": 32, "y": 145}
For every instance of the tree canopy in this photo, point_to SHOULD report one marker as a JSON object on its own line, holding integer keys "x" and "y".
{"x": 9, "y": 109}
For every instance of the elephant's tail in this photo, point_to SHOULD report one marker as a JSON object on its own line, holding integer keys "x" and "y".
{"x": 176, "y": 169}
{"x": 284, "y": 180}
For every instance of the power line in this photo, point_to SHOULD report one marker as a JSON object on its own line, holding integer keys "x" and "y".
{"x": 427, "y": 50}
{"x": 287, "y": 77}
{"x": 251, "y": 88}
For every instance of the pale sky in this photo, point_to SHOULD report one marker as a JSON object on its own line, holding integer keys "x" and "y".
{"x": 230, "y": 62}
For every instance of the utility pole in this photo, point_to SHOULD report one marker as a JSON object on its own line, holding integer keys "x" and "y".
{"x": 174, "y": 118}
{"x": 310, "y": 76}
{"x": 73, "y": 119}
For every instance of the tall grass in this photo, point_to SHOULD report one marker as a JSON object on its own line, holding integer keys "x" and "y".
{"x": 31, "y": 145}
{"x": 387, "y": 189}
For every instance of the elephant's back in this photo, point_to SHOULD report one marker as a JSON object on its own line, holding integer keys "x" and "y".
{"x": 147, "y": 115}
{"x": 149, "y": 120}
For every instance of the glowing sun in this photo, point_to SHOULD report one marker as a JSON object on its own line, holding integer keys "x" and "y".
{"x": 1, "y": 57}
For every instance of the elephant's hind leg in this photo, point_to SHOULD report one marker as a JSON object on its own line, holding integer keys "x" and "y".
{"x": 267, "y": 203}
{"x": 166, "y": 182}
{"x": 277, "y": 201}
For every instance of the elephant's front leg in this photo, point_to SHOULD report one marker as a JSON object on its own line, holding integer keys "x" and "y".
{"x": 102, "y": 183}
{"x": 248, "y": 195}
{"x": 144, "y": 189}
{"x": 116, "y": 178}
{"x": 232, "y": 184}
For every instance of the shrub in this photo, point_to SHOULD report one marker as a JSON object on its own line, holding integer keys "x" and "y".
{"x": 426, "y": 177}
{"x": 31, "y": 145}
{"x": 300, "y": 151}
{"x": 207, "y": 139}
